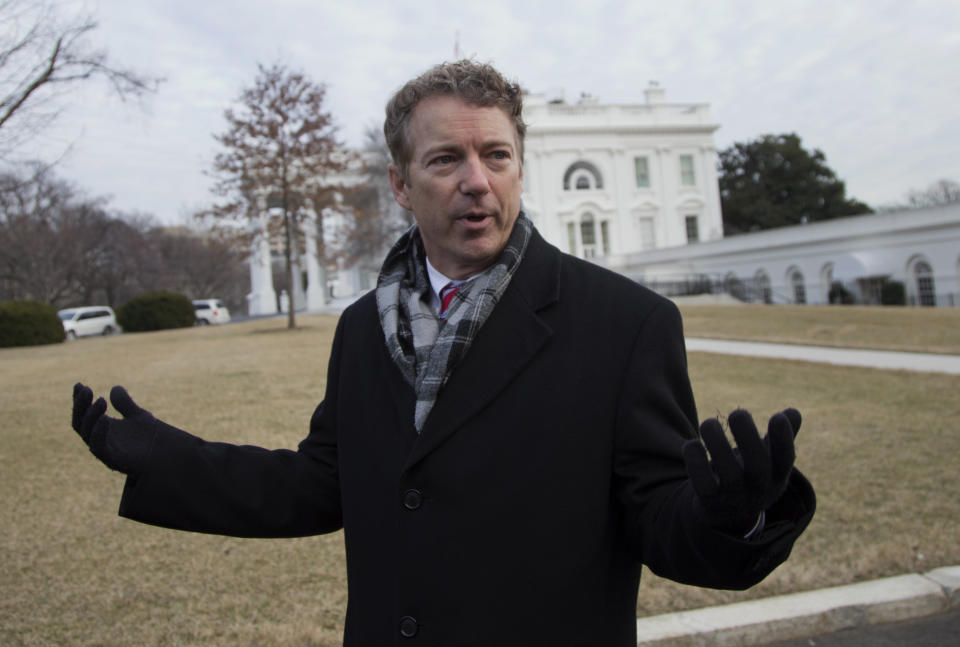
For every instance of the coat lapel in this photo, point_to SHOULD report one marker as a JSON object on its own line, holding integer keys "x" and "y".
{"x": 508, "y": 340}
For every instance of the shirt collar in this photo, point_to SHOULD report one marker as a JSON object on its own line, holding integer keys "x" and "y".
{"x": 438, "y": 281}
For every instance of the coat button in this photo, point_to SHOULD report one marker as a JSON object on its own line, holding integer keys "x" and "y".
{"x": 412, "y": 499}
{"x": 408, "y": 627}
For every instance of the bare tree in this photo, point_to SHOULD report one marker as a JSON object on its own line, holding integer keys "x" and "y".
{"x": 61, "y": 247}
{"x": 372, "y": 218}
{"x": 41, "y": 55}
{"x": 939, "y": 193}
{"x": 279, "y": 146}
{"x": 40, "y": 218}
{"x": 200, "y": 265}
{"x": 117, "y": 260}
{"x": 377, "y": 159}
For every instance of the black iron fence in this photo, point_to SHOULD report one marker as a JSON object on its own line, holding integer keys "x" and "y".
{"x": 751, "y": 290}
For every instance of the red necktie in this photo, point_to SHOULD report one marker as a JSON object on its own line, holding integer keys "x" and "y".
{"x": 446, "y": 297}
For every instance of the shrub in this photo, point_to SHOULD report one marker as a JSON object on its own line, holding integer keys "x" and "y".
{"x": 893, "y": 293}
{"x": 29, "y": 323}
{"x": 839, "y": 294}
{"x": 156, "y": 310}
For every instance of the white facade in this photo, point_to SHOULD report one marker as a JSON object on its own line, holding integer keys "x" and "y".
{"x": 634, "y": 187}
{"x": 309, "y": 276}
{"x": 262, "y": 299}
{"x": 599, "y": 181}
{"x": 313, "y": 288}
{"x": 919, "y": 248}
{"x": 606, "y": 180}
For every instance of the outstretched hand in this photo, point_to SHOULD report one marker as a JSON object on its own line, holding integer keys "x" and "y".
{"x": 122, "y": 444}
{"x": 735, "y": 485}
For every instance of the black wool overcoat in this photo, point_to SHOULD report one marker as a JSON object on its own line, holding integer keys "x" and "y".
{"x": 548, "y": 471}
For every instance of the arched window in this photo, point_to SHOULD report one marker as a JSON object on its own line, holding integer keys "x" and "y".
{"x": 734, "y": 287}
{"x": 926, "y": 290}
{"x": 761, "y": 281}
{"x": 572, "y": 179}
{"x": 799, "y": 289}
{"x": 583, "y": 182}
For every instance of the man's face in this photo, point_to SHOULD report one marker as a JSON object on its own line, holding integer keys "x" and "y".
{"x": 463, "y": 184}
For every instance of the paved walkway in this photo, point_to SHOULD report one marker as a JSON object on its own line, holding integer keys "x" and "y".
{"x": 807, "y": 616}
{"x": 930, "y": 631}
{"x": 925, "y": 362}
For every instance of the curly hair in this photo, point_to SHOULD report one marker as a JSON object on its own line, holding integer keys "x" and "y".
{"x": 478, "y": 84}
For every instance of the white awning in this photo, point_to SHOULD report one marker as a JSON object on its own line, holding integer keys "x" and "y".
{"x": 861, "y": 265}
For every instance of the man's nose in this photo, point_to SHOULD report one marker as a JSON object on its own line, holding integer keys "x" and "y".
{"x": 474, "y": 180}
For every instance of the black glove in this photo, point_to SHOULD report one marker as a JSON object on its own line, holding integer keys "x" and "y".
{"x": 122, "y": 444}
{"x": 739, "y": 483}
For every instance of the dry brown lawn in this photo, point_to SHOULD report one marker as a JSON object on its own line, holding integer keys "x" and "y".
{"x": 932, "y": 330}
{"x": 881, "y": 448}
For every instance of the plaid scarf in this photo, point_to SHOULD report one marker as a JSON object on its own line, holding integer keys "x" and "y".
{"x": 424, "y": 348}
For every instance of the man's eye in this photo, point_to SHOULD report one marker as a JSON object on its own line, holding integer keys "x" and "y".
{"x": 501, "y": 155}
{"x": 443, "y": 159}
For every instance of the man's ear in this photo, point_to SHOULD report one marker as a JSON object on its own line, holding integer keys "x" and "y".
{"x": 399, "y": 187}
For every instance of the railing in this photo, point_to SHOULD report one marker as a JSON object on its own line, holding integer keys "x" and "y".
{"x": 746, "y": 290}
{"x": 948, "y": 300}
{"x": 754, "y": 291}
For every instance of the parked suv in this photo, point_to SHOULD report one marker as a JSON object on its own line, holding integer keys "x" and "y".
{"x": 210, "y": 311}
{"x": 88, "y": 320}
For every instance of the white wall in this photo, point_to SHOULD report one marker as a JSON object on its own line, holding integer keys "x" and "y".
{"x": 858, "y": 248}
{"x": 609, "y": 138}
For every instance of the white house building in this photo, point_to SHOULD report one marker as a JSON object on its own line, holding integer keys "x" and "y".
{"x": 602, "y": 180}
{"x": 634, "y": 187}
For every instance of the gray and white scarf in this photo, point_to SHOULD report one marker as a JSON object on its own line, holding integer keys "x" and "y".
{"x": 424, "y": 348}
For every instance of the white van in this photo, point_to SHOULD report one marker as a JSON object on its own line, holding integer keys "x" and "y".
{"x": 88, "y": 320}
{"x": 210, "y": 311}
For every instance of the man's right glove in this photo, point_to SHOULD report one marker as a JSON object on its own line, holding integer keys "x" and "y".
{"x": 735, "y": 485}
{"x": 122, "y": 444}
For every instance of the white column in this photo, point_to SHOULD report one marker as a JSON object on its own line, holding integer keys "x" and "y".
{"x": 713, "y": 216}
{"x": 666, "y": 229}
{"x": 262, "y": 299}
{"x": 316, "y": 277}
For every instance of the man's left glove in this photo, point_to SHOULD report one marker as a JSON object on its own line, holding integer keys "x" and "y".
{"x": 122, "y": 444}
{"x": 735, "y": 485}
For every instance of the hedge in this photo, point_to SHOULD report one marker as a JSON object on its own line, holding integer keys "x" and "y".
{"x": 156, "y": 310}
{"x": 29, "y": 323}
{"x": 893, "y": 293}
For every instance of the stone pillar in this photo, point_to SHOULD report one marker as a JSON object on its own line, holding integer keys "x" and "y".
{"x": 262, "y": 299}
{"x": 316, "y": 277}
{"x": 299, "y": 298}
{"x": 348, "y": 279}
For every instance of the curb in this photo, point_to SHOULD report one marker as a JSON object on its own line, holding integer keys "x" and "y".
{"x": 801, "y": 615}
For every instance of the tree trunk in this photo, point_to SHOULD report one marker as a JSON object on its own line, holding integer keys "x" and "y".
{"x": 288, "y": 253}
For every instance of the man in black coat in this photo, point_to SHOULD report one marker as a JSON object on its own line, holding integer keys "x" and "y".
{"x": 508, "y": 432}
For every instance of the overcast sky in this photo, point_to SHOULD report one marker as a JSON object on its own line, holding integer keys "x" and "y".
{"x": 872, "y": 83}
